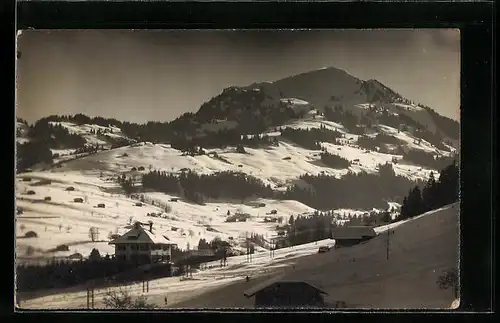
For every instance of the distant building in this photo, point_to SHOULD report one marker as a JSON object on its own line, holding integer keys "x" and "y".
{"x": 283, "y": 293}
{"x": 351, "y": 235}
{"x": 141, "y": 245}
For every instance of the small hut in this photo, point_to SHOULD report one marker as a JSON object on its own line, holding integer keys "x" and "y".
{"x": 286, "y": 294}
{"x": 351, "y": 235}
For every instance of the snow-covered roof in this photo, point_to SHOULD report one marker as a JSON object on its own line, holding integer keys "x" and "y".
{"x": 138, "y": 234}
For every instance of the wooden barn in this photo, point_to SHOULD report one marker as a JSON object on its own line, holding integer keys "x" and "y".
{"x": 286, "y": 294}
{"x": 352, "y": 235}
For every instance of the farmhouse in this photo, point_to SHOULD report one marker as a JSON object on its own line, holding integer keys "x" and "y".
{"x": 284, "y": 293}
{"x": 141, "y": 245}
{"x": 351, "y": 235}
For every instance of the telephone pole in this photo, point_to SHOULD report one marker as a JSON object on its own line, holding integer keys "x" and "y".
{"x": 90, "y": 297}
{"x": 388, "y": 241}
{"x": 248, "y": 247}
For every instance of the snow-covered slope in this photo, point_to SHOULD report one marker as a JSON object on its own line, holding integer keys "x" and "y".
{"x": 277, "y": 166}
{"x": 193, "y": 222}
{"x": 421, "y": 248}
{"x": 92, "y": 133}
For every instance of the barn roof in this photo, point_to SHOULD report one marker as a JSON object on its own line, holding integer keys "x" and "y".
{"x": 257, "y": 288}
{"x": 353, "y": 232}
{"x": 140, "y": 235}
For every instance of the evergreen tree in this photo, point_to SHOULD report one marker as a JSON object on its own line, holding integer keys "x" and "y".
{"x": 429, "y": 193}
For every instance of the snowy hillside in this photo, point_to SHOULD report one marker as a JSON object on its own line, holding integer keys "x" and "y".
{"x": 61, "y": 220}
{"x": 274, "y": 165}
{"x": 93, "y": 134}
{"x": 358, "y": 284}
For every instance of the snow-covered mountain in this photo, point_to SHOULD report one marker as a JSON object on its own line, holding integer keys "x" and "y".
{"x": 367, "y": 125}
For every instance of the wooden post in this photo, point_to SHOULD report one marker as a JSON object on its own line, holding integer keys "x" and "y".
{"x": 88, "y": 297}
{"x": 388, "y": 242}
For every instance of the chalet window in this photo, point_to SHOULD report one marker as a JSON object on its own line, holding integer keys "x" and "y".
{"x": 164, "y": 248}
{"x": 121, "y": 247}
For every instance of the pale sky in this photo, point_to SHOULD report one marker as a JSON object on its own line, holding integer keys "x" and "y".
{"x": 157, "y": 75}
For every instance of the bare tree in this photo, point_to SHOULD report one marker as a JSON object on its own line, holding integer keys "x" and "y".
{"x": 60, "y": 227}
{"x": 94, "y": 234}
{"x": 22, "y": 227}
{"x": 191, "y": 233}
{"x": 122, "y": 300}
{"x": 68, "y": 229}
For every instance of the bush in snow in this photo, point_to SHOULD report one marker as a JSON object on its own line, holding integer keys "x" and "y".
{"x": 122, "y": 300}
{"x": 449, "y": 279}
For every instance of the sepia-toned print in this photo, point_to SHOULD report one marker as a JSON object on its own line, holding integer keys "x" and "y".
{"x": 212, "y": 169}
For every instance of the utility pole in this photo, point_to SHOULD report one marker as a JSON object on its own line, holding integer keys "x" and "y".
{"x": 388, "y": 241}
{"x": 248, "y": 248}
{"x": 90, "y": 296}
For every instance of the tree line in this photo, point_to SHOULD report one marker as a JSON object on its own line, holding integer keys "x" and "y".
{"x": 434, "y": 194}
{"x": 311, "y": 138}
{"x": 322, "y": 192}
{"x": 425, "y": 159}
{"x": 362, "y": 190}
{"x": 196, "y": 187}
{"x": 59, "y": 274}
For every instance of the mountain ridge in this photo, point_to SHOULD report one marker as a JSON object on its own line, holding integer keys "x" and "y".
{"x": 330, "y": 94}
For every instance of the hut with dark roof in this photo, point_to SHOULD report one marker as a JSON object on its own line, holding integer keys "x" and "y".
{"x": 281, "y": 293}
{"x": 351, "y": 235}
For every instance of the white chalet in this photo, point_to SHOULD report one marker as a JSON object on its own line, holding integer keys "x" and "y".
{"x": 142, "y": 245}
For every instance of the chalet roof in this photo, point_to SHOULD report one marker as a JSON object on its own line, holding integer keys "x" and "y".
{"x": 138, "y": 234}
{"x": 353, "y": 232}
{"x": 257, "y": 288}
